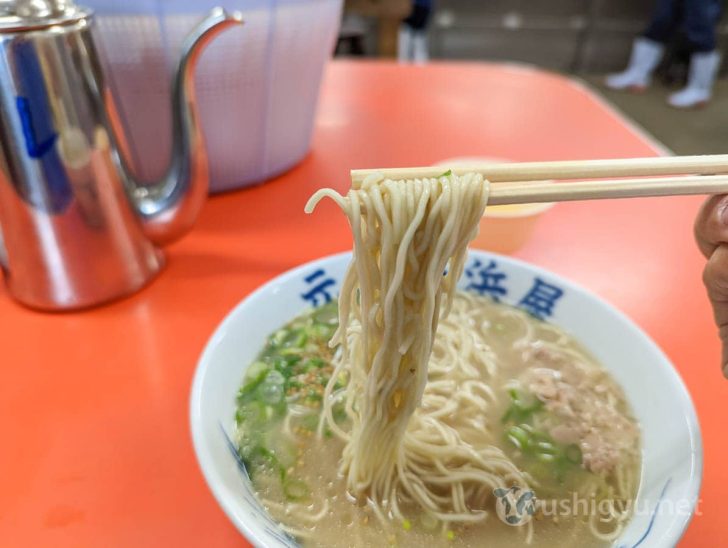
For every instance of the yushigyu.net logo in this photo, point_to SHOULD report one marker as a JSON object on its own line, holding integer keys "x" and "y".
{"x": 514, "y": 505}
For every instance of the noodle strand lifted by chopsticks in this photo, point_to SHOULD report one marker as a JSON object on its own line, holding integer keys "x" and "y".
{"x": 406, "y": 234}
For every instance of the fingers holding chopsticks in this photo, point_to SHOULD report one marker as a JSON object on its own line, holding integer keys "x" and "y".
{"x": 711, "y": 225}
{"x": 711, "y": 233}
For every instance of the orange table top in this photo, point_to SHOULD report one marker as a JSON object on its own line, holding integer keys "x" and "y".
{"x": 94, "y": 405}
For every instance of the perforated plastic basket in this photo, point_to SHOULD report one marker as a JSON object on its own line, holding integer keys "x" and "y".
{"x": 257, "y": 86}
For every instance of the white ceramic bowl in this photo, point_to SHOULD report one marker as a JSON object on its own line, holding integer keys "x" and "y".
{"x": 672, "y": 450}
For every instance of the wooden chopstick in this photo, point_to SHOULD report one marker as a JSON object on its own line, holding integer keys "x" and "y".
{"x": 545, "y": 191}
{"x": 534, "y": 171}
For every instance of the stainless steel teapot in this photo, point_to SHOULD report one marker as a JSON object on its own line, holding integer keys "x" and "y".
{"x": 76, "y": 228}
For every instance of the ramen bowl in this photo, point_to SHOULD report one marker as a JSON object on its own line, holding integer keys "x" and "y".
{"x": 671, "y": 465}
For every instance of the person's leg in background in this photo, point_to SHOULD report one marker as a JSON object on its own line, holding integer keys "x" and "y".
{"x": 404, "y": 42}
{"x": 648, "y": 49}
{"x": 412, "y": 42}
{"x": 699, "y": 24}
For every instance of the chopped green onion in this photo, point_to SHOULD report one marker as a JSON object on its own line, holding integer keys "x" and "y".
{"x": 295, "y": 489}
{"x": 291, "y": 351}
{"x": 285, "y": 362}
{"x": 314, "y": 396}
{"x": 406, "y": 525}
{"x": 271, "y": 389}
{"x": 257, "y": 455}
{"x": 518, "y": 437}
{"x": 294, "y": 383}
{"x": 546, "y": 457}
{"x": 573, "y": 454}
{"x": 278, "y": 337}
{"x": 252, "y": 413}
{"x": 255, "y": 370}
{"x": 295, "y": 338}
{"x": 546, "y": 447}
{"x": 313, "y": 363}
{"x": 521, "y": 410}
{"x": 256, "y": 374}
{"x": 528, "y": 428}
{"x": 327, "y": 314}
{"x": 322, "y": 331}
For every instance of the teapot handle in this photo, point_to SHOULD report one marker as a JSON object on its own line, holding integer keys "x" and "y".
{"x": 3, "y": 254}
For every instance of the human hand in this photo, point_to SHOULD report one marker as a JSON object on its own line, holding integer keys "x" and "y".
{"x": 711, "y": 233}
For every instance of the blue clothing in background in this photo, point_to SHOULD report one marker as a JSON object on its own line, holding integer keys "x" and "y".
{"x": 696, "y": 19}
{"x": 420, "y": 16}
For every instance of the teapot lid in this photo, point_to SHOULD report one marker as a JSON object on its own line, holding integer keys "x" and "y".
{"x": 26, "y": 15}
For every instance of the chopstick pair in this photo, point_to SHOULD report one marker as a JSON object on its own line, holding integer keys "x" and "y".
{"x": 530, "y": 181}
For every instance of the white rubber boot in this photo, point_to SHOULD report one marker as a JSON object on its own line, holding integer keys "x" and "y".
{"x": 420, "y": 52}
{"x": 404, "y": 44}
{"x": 703, "y": 70}
{"x": 645, "y": 57}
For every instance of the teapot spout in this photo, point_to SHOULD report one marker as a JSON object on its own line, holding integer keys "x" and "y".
{"x": 169, "y": 207}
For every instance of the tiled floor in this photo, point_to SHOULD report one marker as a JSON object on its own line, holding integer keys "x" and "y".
{"x": 703, "y": 131}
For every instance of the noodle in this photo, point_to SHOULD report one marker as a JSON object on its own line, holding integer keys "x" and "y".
{"x": 406, "y": 233}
